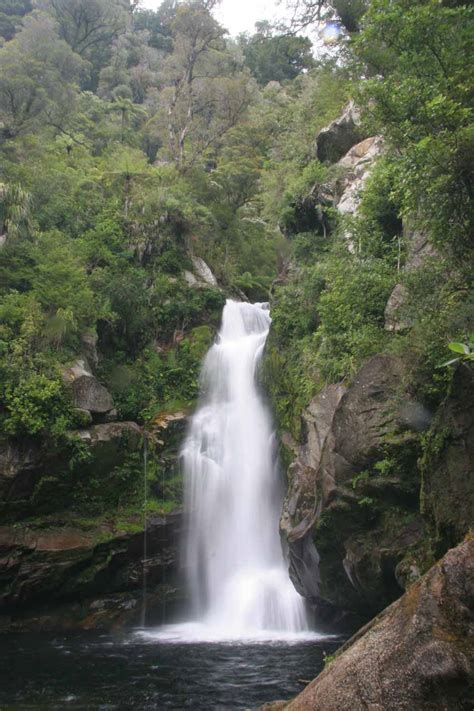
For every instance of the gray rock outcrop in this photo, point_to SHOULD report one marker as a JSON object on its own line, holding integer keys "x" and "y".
{"x": 448, "y": 471}
{"x": 396, "y": 302}
{"x": 202, "y": 276}
{"x": 87, "y": 392}
{"x": 36, "y": 481}
{"x": 298, "y": 515}
{"x": 19, "y": 464}
{"x": 335, "y": 140}
{"x": 203, "y": 271}
{"x": 89, "y": 345}
{"x": 109, "y": 432}
{"x": 357, "y": 165}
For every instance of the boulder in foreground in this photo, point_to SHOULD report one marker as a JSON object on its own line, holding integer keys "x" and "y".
{"x": 417, "y": 655}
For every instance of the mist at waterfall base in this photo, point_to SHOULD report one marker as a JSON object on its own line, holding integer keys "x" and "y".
{"x": 236, "y": 572}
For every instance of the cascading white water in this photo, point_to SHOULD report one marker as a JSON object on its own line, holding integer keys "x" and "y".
{"x": 237, "y": 574}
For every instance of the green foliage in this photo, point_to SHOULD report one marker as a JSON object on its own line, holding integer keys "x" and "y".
{"x": 465, "y": 351}
{"x": 351, "y": 310}
{"x": 359, "y": 478}
{"x": 439, "y": 306}
{"x": 34, "y": 397}
{"x": 376, "y": 230}
{"x": 419, "y": 99}
{"x": 37, "y": 76}
{"x": 11, "y": 15}
{"x": 89, "y": 27}
{"x": 366, "y": 501}
{"x": 132, "y": 141}
{"x": 295, "y": 314}
{"x": 292, "y": 176}
{"x": 329, "y": 317}
{"x": 35, "y": 404}
{"x": 275, "y": 58}
{"x": 328, "y": 659}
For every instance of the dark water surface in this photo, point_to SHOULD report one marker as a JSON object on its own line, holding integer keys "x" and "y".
{"x": 52, "y": 672}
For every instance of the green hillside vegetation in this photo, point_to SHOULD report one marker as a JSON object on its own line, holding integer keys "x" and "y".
{"x": 132, "y": 141}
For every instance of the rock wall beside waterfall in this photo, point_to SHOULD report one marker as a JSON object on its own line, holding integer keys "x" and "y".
{"x": 72, "y": 509}
{"x": 354, "y": 491}
{"x": 379, "y": 471}
{"x": 65, "y": 577}
{"x": 379, "y": 486}
{"x": 72, "y": 533}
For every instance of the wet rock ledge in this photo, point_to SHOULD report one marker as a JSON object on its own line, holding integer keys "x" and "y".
{"x": 67, "y": 577}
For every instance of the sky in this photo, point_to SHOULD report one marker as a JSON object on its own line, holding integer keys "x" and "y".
{"x": 239, "y": 15}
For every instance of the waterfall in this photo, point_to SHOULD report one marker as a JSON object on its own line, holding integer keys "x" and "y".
{"x": 237, "y": 574}
{"x": 145, "y": 529}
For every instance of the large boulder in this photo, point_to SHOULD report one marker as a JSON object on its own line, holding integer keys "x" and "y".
{"x": 87, "y": 392}
{"x": 203, "y": 271}
{"x": 202, "y": 276}
{"x": 335, "y": 140}
{"x": 418, "y": 654}
{"x": 396, "y": 301}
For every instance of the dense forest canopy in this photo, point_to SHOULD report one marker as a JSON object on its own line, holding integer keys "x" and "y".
{"x": 134, "y": 140}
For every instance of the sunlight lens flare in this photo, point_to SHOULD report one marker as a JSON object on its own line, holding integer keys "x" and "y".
{"x": 330, "y": 33}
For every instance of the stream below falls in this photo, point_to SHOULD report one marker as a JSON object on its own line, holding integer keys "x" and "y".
{"x": 103, "y": 672}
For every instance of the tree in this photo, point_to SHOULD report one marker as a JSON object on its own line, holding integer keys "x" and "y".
{"x": 89, "y": 27}
{"x": 205, "y": 90}
{"x": 276, "y": 58}
{"x": 132, "y": 70}
{"x": 419, "y": 96}
{"x": 15, "y": 212}
{"x": 11, "y": 14}
{"x": 157, "y": 24}
{"x": 38, "y": 74}
{"x": 307, "y": 13}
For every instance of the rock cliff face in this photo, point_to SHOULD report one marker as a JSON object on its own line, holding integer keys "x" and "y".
{"x": 356, "y": 166}
{"x": 418, "y": 654}
{"x": 66, "y": 577}
{"x": 37, "y": 479}
{"x": 72, "y": 515}
{"x": 71, "y": 550}
{"x": 353, "y": 493}
{"x": 335, "y": 140}
{"x": 365, "y": 514}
